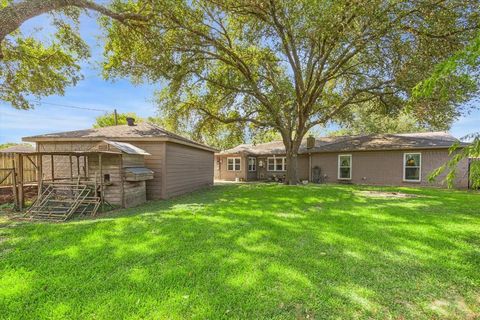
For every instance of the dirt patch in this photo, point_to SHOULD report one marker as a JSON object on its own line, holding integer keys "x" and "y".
{"x": 6, "y": 194}
{"x": 383, "y": 194}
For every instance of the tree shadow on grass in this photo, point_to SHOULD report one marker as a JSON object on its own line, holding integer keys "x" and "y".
{"x": 253, "y": 251}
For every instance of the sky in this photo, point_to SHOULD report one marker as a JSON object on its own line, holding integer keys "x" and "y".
{"x": 95, "y": 93}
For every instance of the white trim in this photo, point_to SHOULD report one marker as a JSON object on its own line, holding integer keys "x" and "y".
{"x": 254, "y": 164}
{"x": 350, "y": 167}
{"x": 284, "y": 164}
{"x": 419, "y": 167}
{"x": 234, "y": 163}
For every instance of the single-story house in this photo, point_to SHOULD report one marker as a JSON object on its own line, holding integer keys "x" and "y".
{"x": 179, "y": 165}
{"x": 376, "y": 159}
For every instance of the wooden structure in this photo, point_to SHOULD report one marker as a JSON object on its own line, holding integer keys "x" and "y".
{"x": 180, "y": 165}
{"x": 111, "y": 173}
{"x": 7, "y": 164}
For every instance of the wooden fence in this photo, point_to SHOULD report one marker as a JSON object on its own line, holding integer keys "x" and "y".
{"x": 6, "y": 162}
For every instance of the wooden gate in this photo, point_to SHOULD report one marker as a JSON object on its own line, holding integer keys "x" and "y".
{"x": 7, "y": 164}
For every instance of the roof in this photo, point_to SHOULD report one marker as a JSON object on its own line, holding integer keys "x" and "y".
{"x": 138, "y": 170}
{"x": 127, "y": 147}
{"x": 18, "y": 148}
{"x": 403, "y": 141}
{"x": 143, "y": 131}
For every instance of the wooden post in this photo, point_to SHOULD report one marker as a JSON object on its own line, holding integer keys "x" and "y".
{"x": 71, "y": 167}
{"x": 52, "y": 168}
{"x": 39, "y": 175}
{"x": 21, "y": 199}
{"x": 122, "y": 181}
{"x": 115, "y": 115}
{"x": 85, "y": 166}
{"x": 14, "y": 183}
{"x": 78, "y": 166}
{"x": 101, "y": 178}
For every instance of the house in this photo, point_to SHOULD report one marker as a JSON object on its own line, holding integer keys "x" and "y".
{"x": 179, "y": 165}
{"x": 376, "y": 159}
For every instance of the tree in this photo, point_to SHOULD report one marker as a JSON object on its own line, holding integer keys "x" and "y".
{"x": 458, "y": 153}
{"x": 366, "y": 119}
{"x": 108, "y": 119}
{"x": 291, "y": 65}
{"x": 215, "y": 133}
{"x": 7, "y": 145}
{"x": 464, "y": 63}
{"x": 40, "y": 68}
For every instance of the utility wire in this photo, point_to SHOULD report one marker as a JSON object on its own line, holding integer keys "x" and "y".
{"x": 73, "y": 107}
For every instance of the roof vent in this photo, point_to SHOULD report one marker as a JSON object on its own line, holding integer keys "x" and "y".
{"x": 130, "y": 121}
{"x": 310, "y": 142}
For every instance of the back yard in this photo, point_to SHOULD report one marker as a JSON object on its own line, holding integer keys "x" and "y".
{"x": 253, "y": 251}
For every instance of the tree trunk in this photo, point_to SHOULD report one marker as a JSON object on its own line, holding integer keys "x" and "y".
{"x": 292, "y": 162}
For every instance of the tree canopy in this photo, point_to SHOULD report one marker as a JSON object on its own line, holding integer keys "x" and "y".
{"x": 292, "y": 65}
{"x": 41, "y": 66}
{"x": 282, "y": 65}
{"x": 108, "y": 119}
{"x": 464, "y": 63}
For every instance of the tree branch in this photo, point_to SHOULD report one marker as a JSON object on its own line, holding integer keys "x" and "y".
{"x": 15, "y": 14}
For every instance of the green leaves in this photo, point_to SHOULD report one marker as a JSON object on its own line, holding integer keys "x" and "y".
{"x": 108, "y": 119}
{"x": 291, "y": 65}
{"x": 36, "y": 68}
{"x": 31, "y": 68}
{"x": 461, "y": 155}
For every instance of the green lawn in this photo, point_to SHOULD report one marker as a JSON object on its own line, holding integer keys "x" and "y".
{"x": 252, "y": 251}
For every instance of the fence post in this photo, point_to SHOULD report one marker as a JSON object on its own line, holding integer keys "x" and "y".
{"x": 14, "y": 184}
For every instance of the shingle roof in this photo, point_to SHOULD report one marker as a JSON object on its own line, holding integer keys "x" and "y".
{"x": 18, "y": 148}
{"x": 424, "y": 140}
{"x": 138, "y": 132}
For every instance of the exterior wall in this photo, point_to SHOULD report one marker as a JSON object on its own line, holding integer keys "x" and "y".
{"x": 222, "y": 172}
{"x": 368, "y": 167}
{"x": 386, "y": 167}
{"x": 111, "y": 164}
{"x": 135, "y": 193}
{"x": 187, "y": 169}
{"x": 302, "y": 167}
{"x": 155, "y": 162}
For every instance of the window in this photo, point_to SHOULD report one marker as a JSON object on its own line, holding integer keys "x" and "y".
{"x": 277, "y": 164}
{"x": 252, "y": 164}
{"x": 412, "y": 166}
{"x": 233, "y": 164}
{"x": 345, "y": 166}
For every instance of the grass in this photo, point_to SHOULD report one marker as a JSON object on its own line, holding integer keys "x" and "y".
{"x": 252, "y": 251}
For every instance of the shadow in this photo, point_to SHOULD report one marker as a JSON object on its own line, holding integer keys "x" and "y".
{"x": 252, "y": 251}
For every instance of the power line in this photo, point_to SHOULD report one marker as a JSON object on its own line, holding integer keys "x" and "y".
{"x": 73, "y": 107}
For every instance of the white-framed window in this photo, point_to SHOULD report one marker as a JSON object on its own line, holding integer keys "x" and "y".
{"x": 276, "y": 164}
{"x": 233, "y": 164}
{"x": 344, "y": 166}
{"x": 412, "y": 167}
{"x": 252, "y": 164}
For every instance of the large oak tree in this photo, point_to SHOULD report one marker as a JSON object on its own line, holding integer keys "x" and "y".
{"x": 293, "y": 65}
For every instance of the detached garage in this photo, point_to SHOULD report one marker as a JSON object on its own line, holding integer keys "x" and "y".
{"x": 179, "y": 165}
